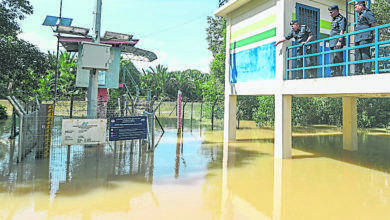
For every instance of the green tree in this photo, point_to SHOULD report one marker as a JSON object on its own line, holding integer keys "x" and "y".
{"x": 66, "y": 82}
{"x": 188, "y": 82}
{"x": 155, "y": 80}
{"x": 216, "y": 35}
{"x": 3, "y": 112}
{"x": 21, "y": 63}
{"x": 373, "y": 112}
{"x": 213, "y": 89}
{"x": 381, "y": 9}
{"x": 21, "y": 66}
{"x": 265, "y": 115}
{"x": 11, "y": 12}
{"x": 246, "y": 107}
{"x": 213, "y": 94}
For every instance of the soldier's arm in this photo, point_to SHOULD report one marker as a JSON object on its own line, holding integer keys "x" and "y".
{"x": 287, "y": 37}
{"x": 371, "y": 20}
{"x": 280, "y": 41}
{"x": 309, "y": 38}
{"x": 343, "y": 27}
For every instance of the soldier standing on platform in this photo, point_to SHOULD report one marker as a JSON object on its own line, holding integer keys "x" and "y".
{"x": 338, "y": 27}
{"x": 366, "y": 20}
{"x": 302, "y": 35}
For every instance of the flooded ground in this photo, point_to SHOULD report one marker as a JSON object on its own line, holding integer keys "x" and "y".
{"x": 191, "y": 177}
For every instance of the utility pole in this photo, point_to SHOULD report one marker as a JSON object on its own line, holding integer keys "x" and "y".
{"x": 57, "y": 63}
{"x": 94, "y": 74}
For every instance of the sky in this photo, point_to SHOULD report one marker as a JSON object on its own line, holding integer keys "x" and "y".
{"x": 174, "y": 29}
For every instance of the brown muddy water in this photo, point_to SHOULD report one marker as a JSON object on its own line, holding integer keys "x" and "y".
{"x": 195, "y": 179}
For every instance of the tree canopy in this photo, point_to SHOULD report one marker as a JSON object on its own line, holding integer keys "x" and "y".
{"x": 21, "y": 65}
{"x": 11, "y": 13}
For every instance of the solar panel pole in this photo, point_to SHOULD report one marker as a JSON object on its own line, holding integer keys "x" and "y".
{"x": 57, "y": 63}
{"x": 94, "y": 75}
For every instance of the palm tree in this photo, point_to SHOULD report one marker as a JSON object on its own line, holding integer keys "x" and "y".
{"x": 156, "y": 80}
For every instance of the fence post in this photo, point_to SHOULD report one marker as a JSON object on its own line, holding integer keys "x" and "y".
{"x": 323, "y": 58}
{"x": 376, "y": 51}
{"x": 201, "y": 110}
{"x": 347, "y": 56}
{"x": 21, "y": 118}
{"x": 71, "y": 107}
{"x": 192, "y": 109}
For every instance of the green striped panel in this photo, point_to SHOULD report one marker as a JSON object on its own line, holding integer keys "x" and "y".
{"x": 255, "y": 26}
{"x": 256, "y": 38}
{"x": 322, "y": 35}
{"x": 325, "y": 24}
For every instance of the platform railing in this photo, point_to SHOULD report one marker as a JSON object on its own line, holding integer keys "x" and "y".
{"x": 319, "y": 64}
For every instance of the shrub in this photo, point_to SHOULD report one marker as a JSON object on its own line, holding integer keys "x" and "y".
{"x": 3, "y": 112}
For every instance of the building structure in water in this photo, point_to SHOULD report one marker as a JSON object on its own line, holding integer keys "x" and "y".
{"x": 254, "y": 66}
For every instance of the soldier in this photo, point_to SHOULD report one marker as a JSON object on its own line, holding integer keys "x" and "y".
{"x": 339, "y": 26}
{"x": 302, "y": 35}
{"x": 366, "y": 20}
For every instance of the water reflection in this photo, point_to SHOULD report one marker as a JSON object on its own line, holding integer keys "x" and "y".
{"x": 75, "y": 170}
{"x": 316, "y": 184}
{"x": 197, "y": 176}
{"x": 373, "y": 149}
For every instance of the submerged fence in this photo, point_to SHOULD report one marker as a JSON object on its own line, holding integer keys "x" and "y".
{"x": 41, "y": 130}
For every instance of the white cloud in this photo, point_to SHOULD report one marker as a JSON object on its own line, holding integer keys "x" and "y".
{"x": 41, "y": 41}
{"x": 174, "y": 63}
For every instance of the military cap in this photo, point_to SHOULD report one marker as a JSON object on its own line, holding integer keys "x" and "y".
{"x": 333, "y": 7}
{"x": 295, "y": 21}
{"x": 360, "y": 2}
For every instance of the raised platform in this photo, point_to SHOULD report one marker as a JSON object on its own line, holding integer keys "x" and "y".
{"x": 375, "y": 85}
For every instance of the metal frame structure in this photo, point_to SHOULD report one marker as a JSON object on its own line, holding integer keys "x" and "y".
{"x": 381, "y": 54}
{"x": 305, "y": 20}
{"x": 222, "y": 2}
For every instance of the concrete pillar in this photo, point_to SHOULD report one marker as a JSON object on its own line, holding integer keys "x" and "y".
{"x": 230, "y": 118}
{"x": 350, "y": 124}
{"x": 230, "y": 100}
{"x": 282, "y": 143}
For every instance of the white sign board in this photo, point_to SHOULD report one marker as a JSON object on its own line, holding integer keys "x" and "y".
{"x": 83, "y": 131}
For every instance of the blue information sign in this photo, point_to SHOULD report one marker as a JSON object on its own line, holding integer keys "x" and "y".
{"x": 128, "y": 128}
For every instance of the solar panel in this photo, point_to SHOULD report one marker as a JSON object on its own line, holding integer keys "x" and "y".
{"x": 66, "y": 21}
{"x": 53, "y": 21}
{"x": 50, "y": 21}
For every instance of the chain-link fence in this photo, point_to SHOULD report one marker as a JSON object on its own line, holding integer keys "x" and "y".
{"x": 41, "y": 129}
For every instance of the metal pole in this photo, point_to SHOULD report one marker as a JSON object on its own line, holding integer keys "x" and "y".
{"x": 94, "y": 75}
{"x": 57, "y": 63}
{"x": 98, "y": 19}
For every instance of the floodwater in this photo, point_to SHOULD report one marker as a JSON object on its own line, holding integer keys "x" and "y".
{"x": 191, "y": 177}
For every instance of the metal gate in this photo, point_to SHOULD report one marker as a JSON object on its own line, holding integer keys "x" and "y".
{"x": 310, "y": 17}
